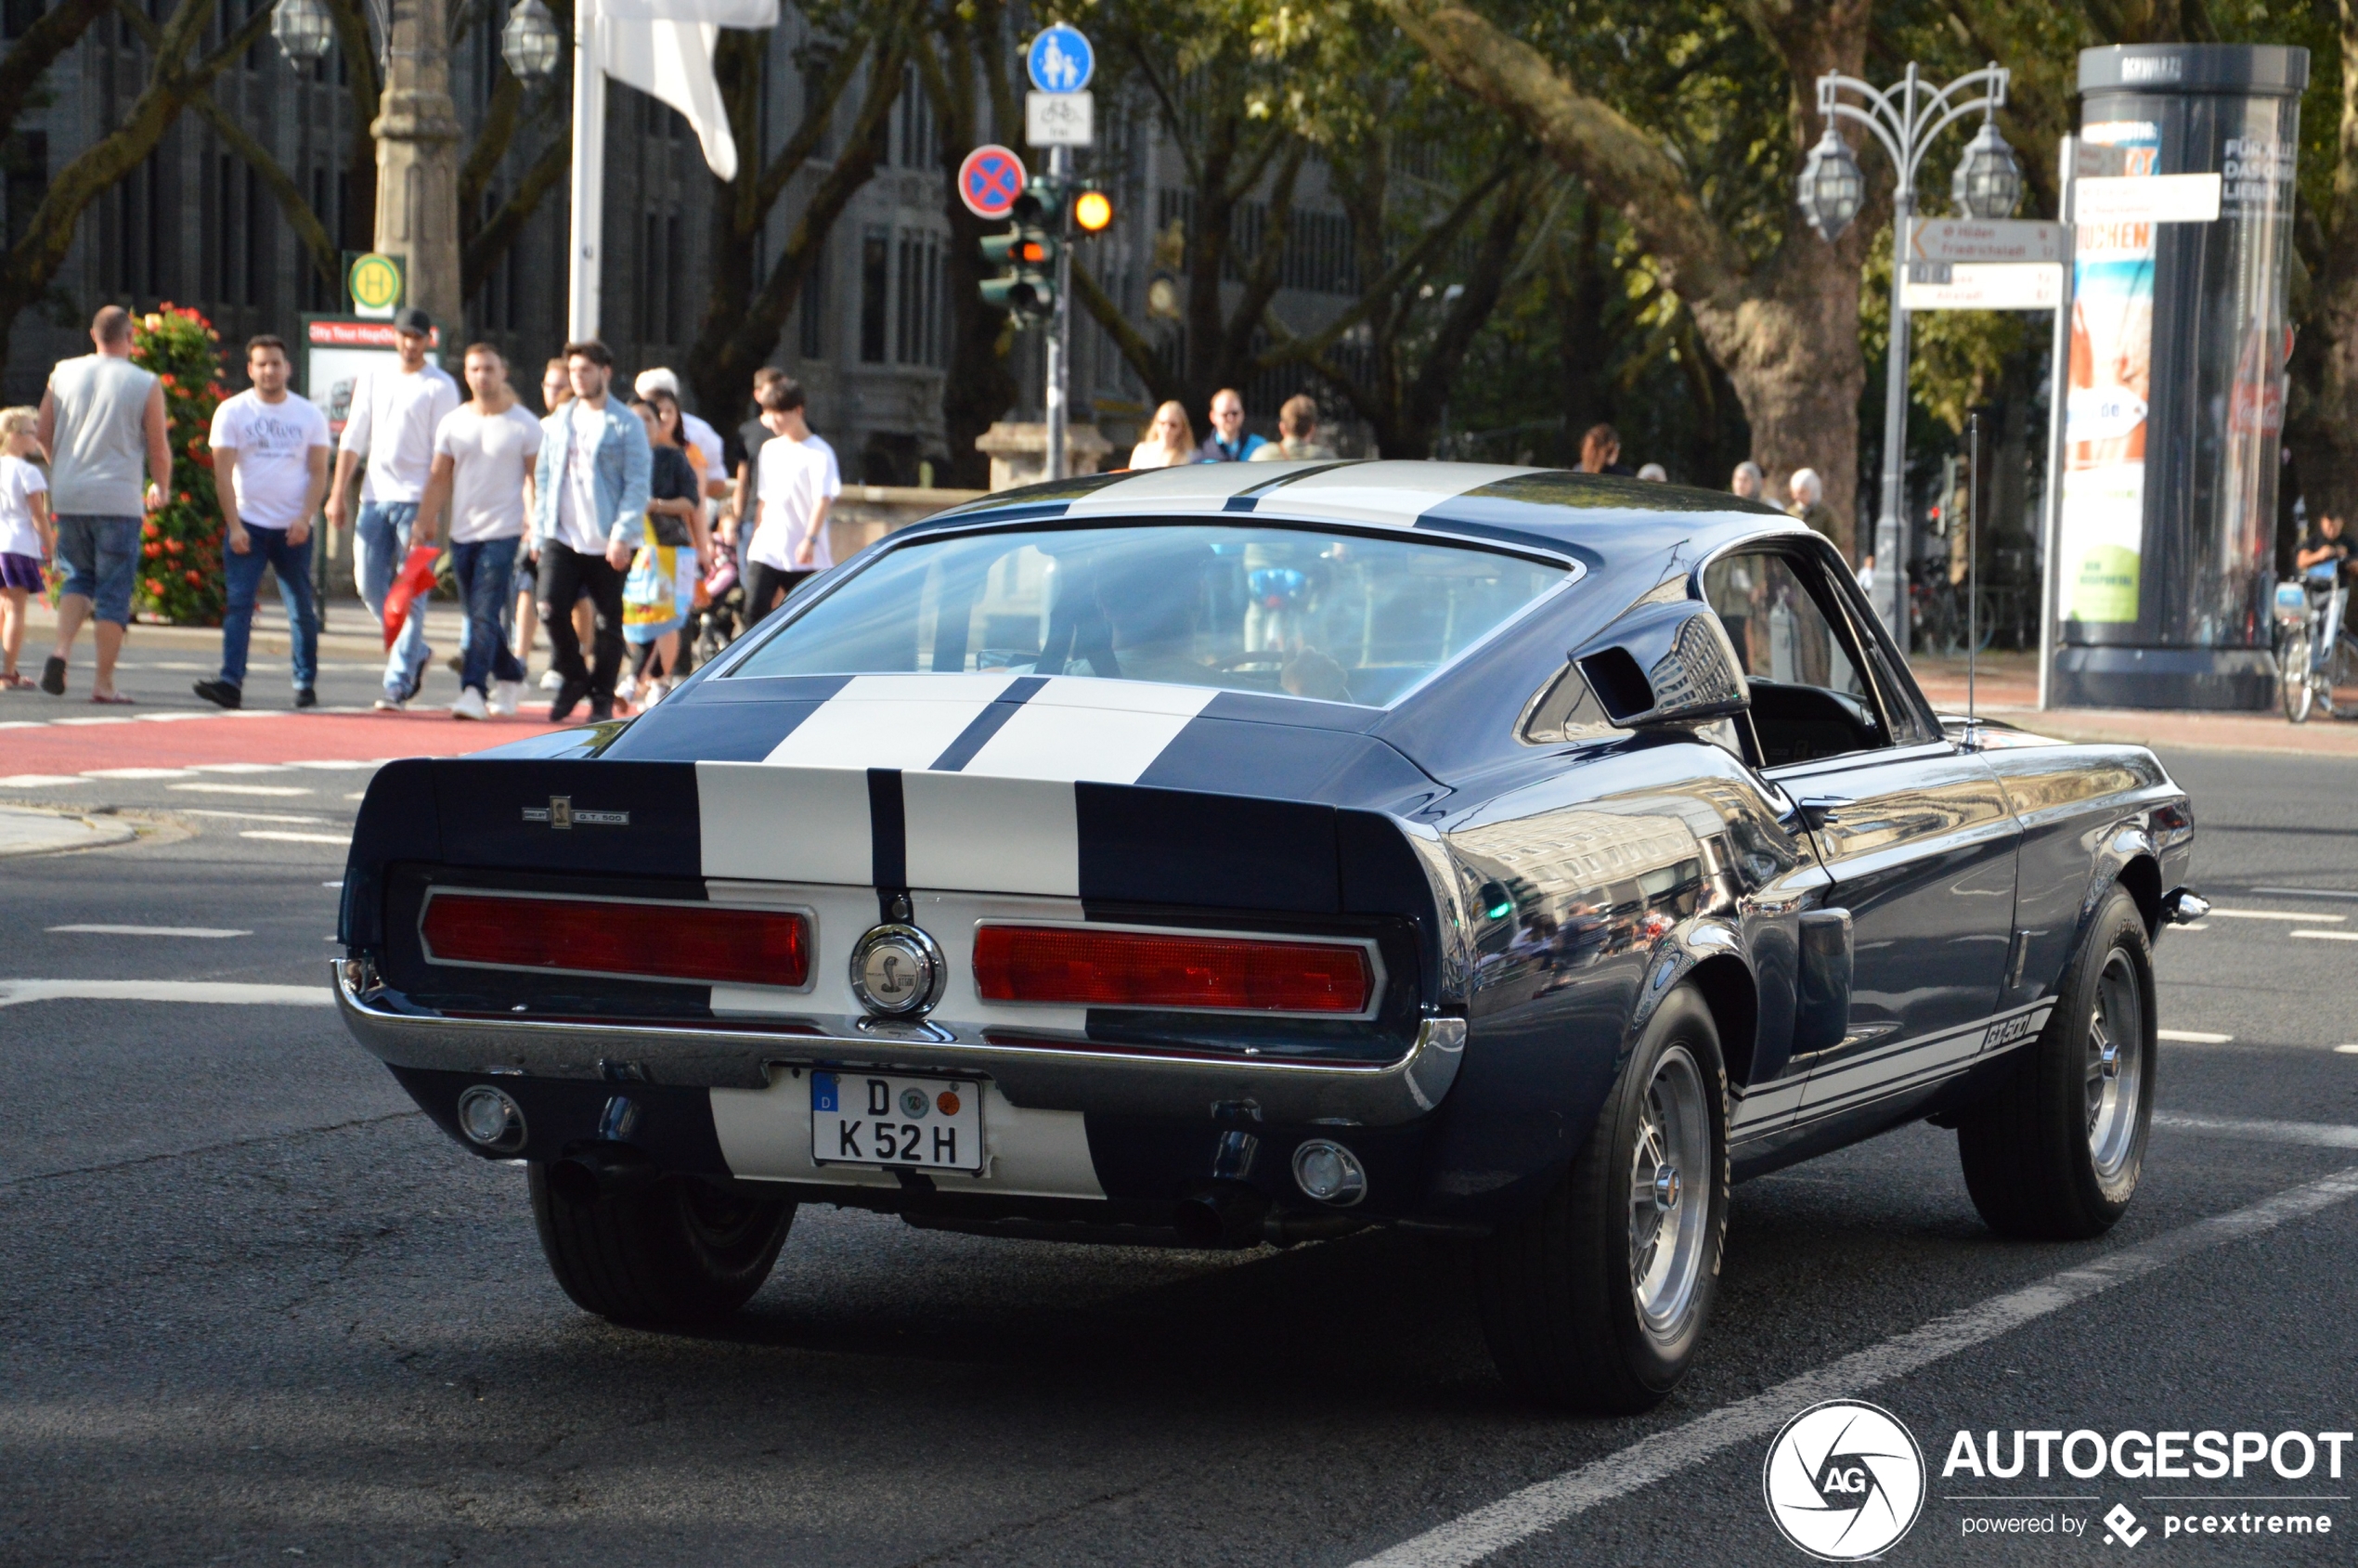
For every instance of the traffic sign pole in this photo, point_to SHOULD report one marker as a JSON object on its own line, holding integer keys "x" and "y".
{"x": 1059, "y": 366}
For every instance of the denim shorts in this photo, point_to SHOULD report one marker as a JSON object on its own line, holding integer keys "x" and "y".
{"x": 100, "y": 556}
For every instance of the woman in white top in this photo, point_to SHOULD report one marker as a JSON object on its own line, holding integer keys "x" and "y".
{"x": 1171, "y": 440}
{"x": 26, "y": 539}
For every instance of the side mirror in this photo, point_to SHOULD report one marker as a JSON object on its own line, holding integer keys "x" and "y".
{"x": 1665, "y": 664}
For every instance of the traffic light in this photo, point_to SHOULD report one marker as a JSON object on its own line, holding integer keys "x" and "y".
{"x": 1026, "y": 254}
{"x": 1093, "y": 212}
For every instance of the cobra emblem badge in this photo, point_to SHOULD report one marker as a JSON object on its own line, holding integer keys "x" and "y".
{"x": 897, "y": 971}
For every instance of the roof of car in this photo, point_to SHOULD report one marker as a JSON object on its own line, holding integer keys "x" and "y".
{"x": 1589, "y": 513}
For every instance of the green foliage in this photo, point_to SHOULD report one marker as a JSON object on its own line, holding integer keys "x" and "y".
{"x": 180, "y": 569}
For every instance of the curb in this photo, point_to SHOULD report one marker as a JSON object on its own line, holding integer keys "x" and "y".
{"x": 24, "y": 832}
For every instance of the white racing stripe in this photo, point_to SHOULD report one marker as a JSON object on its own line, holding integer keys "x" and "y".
{"x": 1108, "y": 731}
{"x": 15, "y": 992}
{"x": 1190, "y": 489}
{"x": 784, "y": 824}
{"x": 888, "y": 721}
{"x": 992, "y": 835}
{"x": 1521, "y": 1515}
{"x": 1382, "y": 492}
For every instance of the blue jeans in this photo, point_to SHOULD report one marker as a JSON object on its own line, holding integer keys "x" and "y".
{"x": 268, "y": 550}
{"x": 381, "y": 538}
{"x": 485, "y": 570}
{"x": 100, "y": 555}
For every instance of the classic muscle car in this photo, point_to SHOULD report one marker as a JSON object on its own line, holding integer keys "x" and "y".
{"x": 1250, "y": 853}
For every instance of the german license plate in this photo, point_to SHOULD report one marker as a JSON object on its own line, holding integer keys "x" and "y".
{"x": 915, "y": 1123}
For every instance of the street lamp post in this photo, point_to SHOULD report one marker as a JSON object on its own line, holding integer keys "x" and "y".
{"x": 1907, "y": 118}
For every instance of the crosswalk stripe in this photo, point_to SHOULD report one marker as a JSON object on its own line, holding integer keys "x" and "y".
{"x": 228, "y": 991}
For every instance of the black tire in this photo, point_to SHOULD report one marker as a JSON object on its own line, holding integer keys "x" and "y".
{"x": 677, "y": 1252}
{"x": 2056, "y": 1154}
{"x": 2292, "y": 680}
{"x": 1560, "y": 1304}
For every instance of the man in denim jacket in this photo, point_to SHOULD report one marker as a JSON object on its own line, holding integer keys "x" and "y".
{"x": 590, "y": 513}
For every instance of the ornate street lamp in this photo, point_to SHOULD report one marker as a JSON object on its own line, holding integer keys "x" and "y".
{"x": 529, "y": 42}
{"x": 1988, "y": 184}
{"x": 1907, "y": 118}
{"x": 1833, "y": 187}
{"x": 302, "y": 29}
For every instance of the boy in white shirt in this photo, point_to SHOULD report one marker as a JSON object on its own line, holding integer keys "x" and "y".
{"x": 269, "y": 469}
{"x": 26, "y": 539}
{"x": 483, "y": 453}
{"x": 797, "y": 482}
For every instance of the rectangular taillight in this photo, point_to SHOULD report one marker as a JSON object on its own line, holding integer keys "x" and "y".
{"x": 657, "y": 941}
{"x": 1174, "y": 969}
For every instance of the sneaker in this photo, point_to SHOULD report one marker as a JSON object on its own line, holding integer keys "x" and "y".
{"x": 416, "y": 682}
{"x": 469, "y": 706}
{"x": 568, "y": 697}
{"x": 53, "y": 677}
{"x": 551, "y": 680}
{"x": 391, "y": 704}
{"x": 220, "y": 693}
{"x": 307, "y": 698}
{"x": 506, "y": 696}
{"x": 601, "y": 712}
{"x": 625, "y": 690}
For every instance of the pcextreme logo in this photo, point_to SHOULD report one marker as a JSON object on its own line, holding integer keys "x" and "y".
{"x": 1844, "y": 1480}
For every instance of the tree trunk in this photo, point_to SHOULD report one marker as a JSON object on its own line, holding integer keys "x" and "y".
{"x": 2323, "y": 432}
{"x": 966, "y": 77}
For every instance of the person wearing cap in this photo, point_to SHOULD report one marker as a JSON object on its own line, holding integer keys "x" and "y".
{"x": 395, "y": 413}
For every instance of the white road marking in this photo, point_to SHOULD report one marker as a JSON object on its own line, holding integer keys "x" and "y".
{"x": 276, "y": 837}
{"x": 2218, "y": 914}
{"x": 39, "y": 781}
{"x": 2192, "y": 1037}
{"x": 14, "y": 991}
{"x": 137, "y": 774}
{"x": 250, "y": 816}
{"x": 283, "y": 789}
{"x": 154, "y": 930}
{"x": 1521, "y": 1515}
{"x": 237, "y": 767}
{"x": 2330, "y": 936}
{"x": 2318, "y": 1135}
{"x": 2192, "y": 926}
{"x": 2307, "y": 892}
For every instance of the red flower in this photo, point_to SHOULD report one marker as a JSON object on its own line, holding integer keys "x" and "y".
{"x": 154, "y": 549}
{"x": 146, "y": 530}
{"x": 166, "y": 378}
{"x": 194, "y": 581}
{"x": 184, "y": 496}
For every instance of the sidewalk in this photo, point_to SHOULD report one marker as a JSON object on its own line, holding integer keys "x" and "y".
{"x": 350, "y": 632}
{"x": 2006, "y": 688}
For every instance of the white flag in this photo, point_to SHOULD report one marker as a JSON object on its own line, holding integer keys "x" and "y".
{"x": 672, "y": 60}
{"x": 753, "y": 14}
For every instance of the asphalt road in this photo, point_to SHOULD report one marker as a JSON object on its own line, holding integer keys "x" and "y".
{"x": 254, "y": 1309}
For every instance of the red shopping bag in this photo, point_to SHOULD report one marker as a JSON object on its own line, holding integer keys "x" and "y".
{"x": 415, "y": 581}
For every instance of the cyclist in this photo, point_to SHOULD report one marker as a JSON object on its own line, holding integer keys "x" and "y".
{"x": 2322, "y": 559}
{"x": 2324, "y": 553}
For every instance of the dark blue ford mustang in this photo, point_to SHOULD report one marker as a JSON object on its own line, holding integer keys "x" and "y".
{"x": 1246, "y": 853}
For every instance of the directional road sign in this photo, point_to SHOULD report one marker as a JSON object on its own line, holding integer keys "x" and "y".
{"x": 1061, "y": 59}
{"x": 1060, "y": 119}
{"x": 989, "y": 179}
{"x": 1941, "y": 285}
{"x": 1971, "y": 239}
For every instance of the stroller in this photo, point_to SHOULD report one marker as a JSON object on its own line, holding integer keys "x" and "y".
{"x": 719, "y": 615}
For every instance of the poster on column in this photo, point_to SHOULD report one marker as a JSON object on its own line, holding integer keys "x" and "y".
{"x": 2102, "y": 548}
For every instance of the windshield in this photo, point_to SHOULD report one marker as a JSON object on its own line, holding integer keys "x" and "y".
{"x": 1338, "y": 616}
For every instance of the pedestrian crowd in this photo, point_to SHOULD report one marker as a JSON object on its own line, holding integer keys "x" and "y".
{"x": 594, "y": 521}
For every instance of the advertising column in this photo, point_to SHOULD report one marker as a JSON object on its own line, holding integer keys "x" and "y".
{"x": 2176, "y": 383}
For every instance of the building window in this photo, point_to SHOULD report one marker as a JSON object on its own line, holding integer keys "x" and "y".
{"x": 876, "y": 261}
{"x": 814, "y": 89}
{"x": 260, "y": 273}
{"x": 919, "y": 318}
{"x": 812, "y": 334}
{"x": 915, "y": 145}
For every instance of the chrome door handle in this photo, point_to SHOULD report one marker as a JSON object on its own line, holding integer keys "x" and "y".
{"x": 1819, "y": 811}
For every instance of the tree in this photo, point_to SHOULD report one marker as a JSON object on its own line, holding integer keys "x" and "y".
{"x": 32, "y": 263}
{"x": 1775, "y": 306}
{"x": 746, "y": 309}
{"x": 965, "y": 66}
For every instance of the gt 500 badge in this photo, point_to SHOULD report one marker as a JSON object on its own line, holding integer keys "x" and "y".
{"x": 2005, "y": 1032}
{"x": 1844, "y": 1480}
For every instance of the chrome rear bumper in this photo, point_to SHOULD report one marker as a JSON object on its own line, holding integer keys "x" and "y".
{"x": 1046, "y": 1077}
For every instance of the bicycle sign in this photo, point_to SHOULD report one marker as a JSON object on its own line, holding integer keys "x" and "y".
{"x": 989, "y": 179}
{"x": 1061, "y": 59}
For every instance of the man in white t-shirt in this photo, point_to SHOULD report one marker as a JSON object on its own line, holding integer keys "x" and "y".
{"x": 395, "y": 413}
{"x": 483, "y": 453}
{"x": 797, "y": 483}
{"x": 269, "y": 469}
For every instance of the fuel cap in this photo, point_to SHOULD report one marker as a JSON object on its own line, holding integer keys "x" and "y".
{"x": 897, "y": 971}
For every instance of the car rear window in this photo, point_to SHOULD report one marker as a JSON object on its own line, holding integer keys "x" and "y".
{"x": 1342, "y": 617}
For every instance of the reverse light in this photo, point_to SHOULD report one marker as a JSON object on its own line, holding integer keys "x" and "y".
{"x": 1175, "y": 971}
{"x": 657, "y": 941}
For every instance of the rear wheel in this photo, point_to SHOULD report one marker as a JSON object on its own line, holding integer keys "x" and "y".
{"x": 1597, "y": 1300}
{"x": 2057, "y": 1154}
{"x": 676, "y": 1251}
{"x": 2292, "y": 678}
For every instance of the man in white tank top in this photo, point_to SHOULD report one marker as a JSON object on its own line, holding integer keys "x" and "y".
{"x": 101, "y": 417}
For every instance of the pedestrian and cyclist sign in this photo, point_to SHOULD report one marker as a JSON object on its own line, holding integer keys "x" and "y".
{"x": 989, "y": 181}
